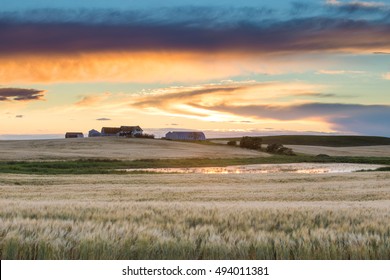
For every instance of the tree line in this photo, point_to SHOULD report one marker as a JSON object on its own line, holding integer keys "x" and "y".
{"x": 254, "y": 143}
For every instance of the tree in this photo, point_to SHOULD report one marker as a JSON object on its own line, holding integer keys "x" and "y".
{"x": 276, "y": 148}
{"x": 253, "y": 143}
{"x": 285, "y": 151}
{"x": 232, "y": 143}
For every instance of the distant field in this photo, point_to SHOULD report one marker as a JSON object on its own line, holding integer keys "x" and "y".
{"x": 362, "y": 151}
{"x": 108, "y": 155}
{"x": 115, "y": 148}
{"x": 319, "y": 140}
{"x": 192, "y": 216}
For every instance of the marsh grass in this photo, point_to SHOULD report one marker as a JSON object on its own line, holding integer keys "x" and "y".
{"x": 104, "y": 166}
{"x": 191, "y": 216}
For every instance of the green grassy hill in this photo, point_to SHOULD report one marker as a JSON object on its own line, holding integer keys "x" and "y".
{"x": 321, "y": 140}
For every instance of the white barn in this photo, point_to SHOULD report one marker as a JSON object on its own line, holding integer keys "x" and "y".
{"x": 185, "y": 135}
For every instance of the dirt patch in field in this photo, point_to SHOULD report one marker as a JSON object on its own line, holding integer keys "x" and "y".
{"x": 115, "y": 148}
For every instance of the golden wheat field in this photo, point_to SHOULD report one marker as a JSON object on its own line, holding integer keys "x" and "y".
{"x": 195, "y": 216}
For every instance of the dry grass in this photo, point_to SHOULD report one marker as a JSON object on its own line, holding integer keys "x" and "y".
{"x": 115, "y": 148}
{"x": 193, "y": 216}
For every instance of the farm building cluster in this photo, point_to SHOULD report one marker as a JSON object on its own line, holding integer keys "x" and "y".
{"x": 127, "y": 131}
{"x": 136, "y": 131}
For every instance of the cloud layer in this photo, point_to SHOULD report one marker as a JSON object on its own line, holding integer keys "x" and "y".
{"x": 259, "y": 102}
{"x": 199, "y": 45}
{"x": 313, "y": 34}
{"x": 182, "y": 43}
{"x": 355, "y": 118}
{"x": 194, "y": 30}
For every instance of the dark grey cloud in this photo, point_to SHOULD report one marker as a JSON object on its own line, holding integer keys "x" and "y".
{"x": 103, "y": 119}
{"x": 193, "y": 29}
{"x": 318, "y": 94}
{"x": 20, "y": 94}
{"x": 357, "y": 118}
{"x": 302, "y": 111}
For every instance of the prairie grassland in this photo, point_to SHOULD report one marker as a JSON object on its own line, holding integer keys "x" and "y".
{"x": 193, "y": 216}
{"x": 115, "y": 148}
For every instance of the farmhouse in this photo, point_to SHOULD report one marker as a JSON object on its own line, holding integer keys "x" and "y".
{"x": 74, "y": 135}
{"x": 110, "y": 131}
{"x": 130, "y": 131}
{"x": 185, "y": 135}
{"x": 121, "y": 131}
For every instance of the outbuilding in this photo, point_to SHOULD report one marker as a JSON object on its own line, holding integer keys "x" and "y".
{"x": 94, "y": 133}
{"x": 74, "y": 135}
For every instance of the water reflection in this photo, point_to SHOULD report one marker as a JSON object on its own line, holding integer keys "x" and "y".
{"x": 305, "y": 168}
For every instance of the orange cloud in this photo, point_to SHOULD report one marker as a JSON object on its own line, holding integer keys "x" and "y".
{"x": 123, "y": 67}
{"x": 91, "y": 100}
{"x": 339, "y": 72}
{"x": 148, "y": 67}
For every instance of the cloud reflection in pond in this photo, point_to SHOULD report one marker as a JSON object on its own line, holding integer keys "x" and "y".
{"x": 302, "y": 168}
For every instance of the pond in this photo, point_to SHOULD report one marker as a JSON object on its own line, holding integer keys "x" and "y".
{"x": 305, "y": 168}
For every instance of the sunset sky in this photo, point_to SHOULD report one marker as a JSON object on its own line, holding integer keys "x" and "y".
{"x": 224, "y": 67}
